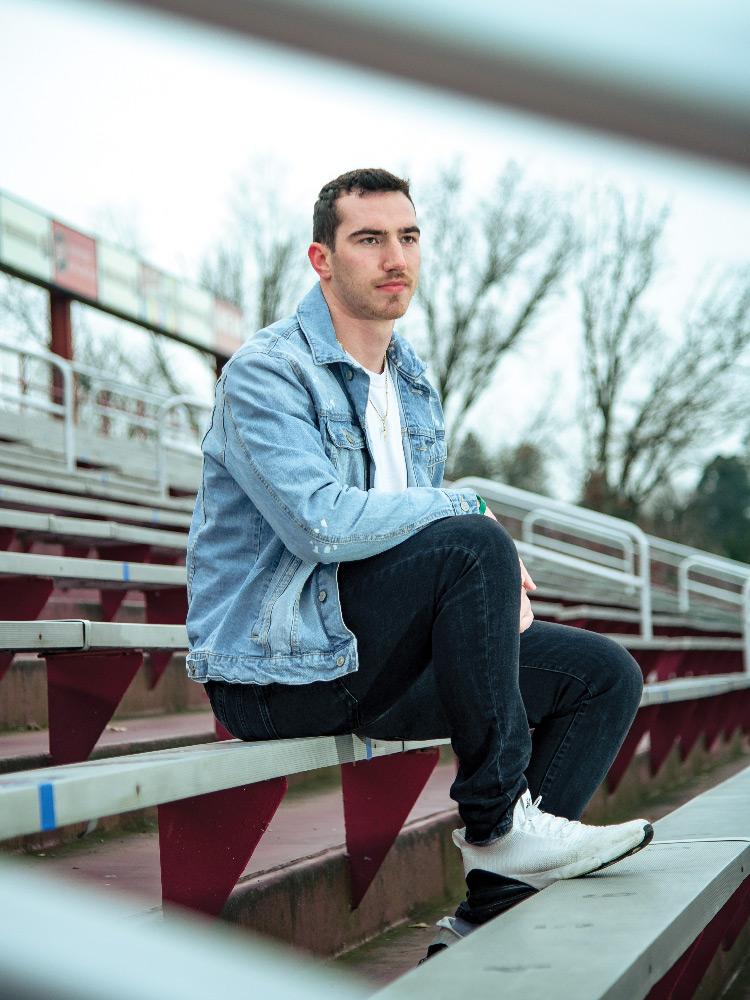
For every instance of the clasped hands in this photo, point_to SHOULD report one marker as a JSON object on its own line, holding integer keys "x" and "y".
{"x": 527, "y": 615}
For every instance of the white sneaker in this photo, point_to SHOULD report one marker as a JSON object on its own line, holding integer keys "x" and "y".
{"x": 540, "y": 848}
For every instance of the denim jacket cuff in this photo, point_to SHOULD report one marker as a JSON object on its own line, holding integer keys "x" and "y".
{"x": 463, "y": 502}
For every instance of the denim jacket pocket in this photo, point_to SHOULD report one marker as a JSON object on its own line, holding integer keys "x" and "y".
{"x": 430, "y": 450}
{"x": 346, "y": 448}
{"x": 275, "y": 594}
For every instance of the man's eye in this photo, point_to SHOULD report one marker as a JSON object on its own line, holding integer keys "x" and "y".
{"x": 369, "y": 240}
{"x": 409, "y": 239}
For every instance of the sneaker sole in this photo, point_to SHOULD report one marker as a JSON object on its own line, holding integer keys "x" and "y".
{"x": 540, "y": 880}
{"x": 648, "y": 836}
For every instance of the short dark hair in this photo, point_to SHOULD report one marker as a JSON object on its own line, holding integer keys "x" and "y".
{"x": 326, "y": 219}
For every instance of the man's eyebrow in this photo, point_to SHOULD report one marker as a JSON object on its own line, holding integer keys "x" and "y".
{"x": 382, "y": 232}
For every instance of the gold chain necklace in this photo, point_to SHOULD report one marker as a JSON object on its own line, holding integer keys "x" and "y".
{"x": 382, "y": 416}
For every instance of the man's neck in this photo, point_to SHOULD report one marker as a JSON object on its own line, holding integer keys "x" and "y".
{"x": 365, "y": 340}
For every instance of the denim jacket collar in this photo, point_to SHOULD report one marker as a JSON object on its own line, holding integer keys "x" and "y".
{"x": 315, "y": 322}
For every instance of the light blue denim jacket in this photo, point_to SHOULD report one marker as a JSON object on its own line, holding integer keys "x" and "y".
{"x": 286, "y": 496}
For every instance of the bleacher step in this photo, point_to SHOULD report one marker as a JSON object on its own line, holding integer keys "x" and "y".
{"x": 25, "y": 749}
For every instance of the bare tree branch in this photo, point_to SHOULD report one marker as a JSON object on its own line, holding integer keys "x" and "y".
{"x": 650, "y": 403}
{"x": 491, "y": 269}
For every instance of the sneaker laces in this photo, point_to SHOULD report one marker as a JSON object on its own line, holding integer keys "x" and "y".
{"x": 542, "y": 822}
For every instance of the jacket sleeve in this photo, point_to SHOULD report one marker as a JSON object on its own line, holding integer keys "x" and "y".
{"x": 274, "y": 451}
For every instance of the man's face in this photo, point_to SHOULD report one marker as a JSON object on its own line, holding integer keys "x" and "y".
{"x": 374, "y": 268}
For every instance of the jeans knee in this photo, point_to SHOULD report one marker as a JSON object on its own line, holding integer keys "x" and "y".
{"x": 620, "y": 673}
{"x": 489, "y": 540}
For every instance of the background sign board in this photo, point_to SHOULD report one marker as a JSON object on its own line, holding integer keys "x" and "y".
{"x": 75, "y": 261}
{"x": 38, "y": 248}
{"x": 25, "y": 239}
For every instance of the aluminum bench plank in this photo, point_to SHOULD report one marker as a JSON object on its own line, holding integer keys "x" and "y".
{"x": 611, "y": 935}
{"x": 43, "y": 799}
{"x": 92, "y": 571}
{"x": 93, "y": 486}
{"x": 76, "y": 635}
{"x": 74, "y": 529}
{"x": 679, "y": 620}
{"x": 676, "y": 642}
{"x": 155, "y": 514}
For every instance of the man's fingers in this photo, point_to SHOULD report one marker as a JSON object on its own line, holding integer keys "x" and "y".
{"x": 527, "y": 615}
{"x": 526, "y": 580}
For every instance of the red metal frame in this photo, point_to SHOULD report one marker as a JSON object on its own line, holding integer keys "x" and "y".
{"x": 167, "y": 606}
{"x": 206, "y": 841}
{"x": 83, "y": 692}
{"x": 683, "y": 979}
{"x": 378, "y": 796}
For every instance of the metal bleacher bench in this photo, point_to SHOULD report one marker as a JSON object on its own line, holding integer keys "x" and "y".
{"x": 70, "y": 571}
{"x": 81, "y": 791}
{"x": 35, "y": 526}
{"x": 656, "y": 918}
{"x": 47, "y": 500}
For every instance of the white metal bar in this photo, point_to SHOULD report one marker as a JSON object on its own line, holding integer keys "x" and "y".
{"x": 63, "y": 942}
{"x": 565, "y": 521}
{"x": 683, "y": 82}
{"x": 164, "y": 443}
{"x": 491, "y": 490}
{"x": 93, "y": 505}
{"x": 91, "y": 570}
{"x": 78, "y": 634}
{"x": 56, "y": 796}
{"x": 93, "y": 531}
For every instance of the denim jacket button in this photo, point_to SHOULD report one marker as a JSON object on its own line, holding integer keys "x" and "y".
{"x": 341, "y": 661}
{"x": 349, "y": 373}
{"x": 322, "y": 596}
{"x": 464, "y": 505}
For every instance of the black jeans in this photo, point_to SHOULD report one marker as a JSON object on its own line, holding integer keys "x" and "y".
{"x": 440, "y": 655}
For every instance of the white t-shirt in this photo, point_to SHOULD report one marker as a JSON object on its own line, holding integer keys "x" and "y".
{"x": 388, "y": 449}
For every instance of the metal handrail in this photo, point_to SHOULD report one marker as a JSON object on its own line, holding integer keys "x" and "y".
{"x": 165, "y": 443}
{"x": 564, "y": 521}
{"x": 65, "y": 408}
{"x": 491, "y": 490}
{"x": 713, "y": 564}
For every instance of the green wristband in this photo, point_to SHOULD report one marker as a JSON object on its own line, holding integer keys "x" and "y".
{"x": 482, "y": 504}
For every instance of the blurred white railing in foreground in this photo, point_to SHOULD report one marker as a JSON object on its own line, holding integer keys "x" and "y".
{"x": 59, "y": 942}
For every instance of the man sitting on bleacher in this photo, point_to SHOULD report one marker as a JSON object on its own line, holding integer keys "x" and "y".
{"x": 336, "y": 587}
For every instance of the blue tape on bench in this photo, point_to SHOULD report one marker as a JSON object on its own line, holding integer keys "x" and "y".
{"x": 125, "y": 571}
{"x": 368, "y": 749}
{"x": 47, "y": 806}
{"x": 155, "y": 516}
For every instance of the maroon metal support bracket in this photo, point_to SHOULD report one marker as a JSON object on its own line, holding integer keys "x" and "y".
{"x": 206, "y": 841}
{"x": 683, "y": 979}
{"x": 642, "y": 723}
{"x": 166, "y": 607}
{"x": 111, "y": 599}
{"x": 378, "y": 796}
{"x": 22, "y": 599}
{"x": 83, "y": 692}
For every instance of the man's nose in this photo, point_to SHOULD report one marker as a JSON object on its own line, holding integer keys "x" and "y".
{"x": 394, "y": 259}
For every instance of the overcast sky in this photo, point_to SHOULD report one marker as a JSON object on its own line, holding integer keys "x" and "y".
{"x": 104, "y": 107}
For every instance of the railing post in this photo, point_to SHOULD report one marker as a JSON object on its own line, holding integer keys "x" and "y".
{"x": 644, "y": 555}
{"x": 746, "y": 622}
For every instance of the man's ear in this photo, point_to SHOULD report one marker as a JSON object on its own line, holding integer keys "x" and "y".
{"x": 319, "y": 255}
